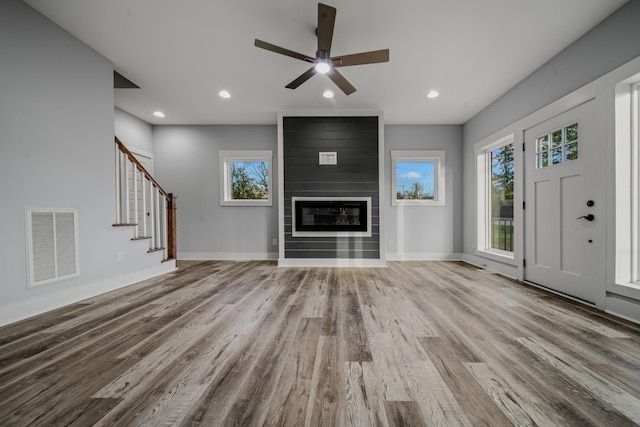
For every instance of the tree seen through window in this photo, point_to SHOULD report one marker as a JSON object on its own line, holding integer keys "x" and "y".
{"x": 502, "y": 169}
{"x": 249, "y": 180}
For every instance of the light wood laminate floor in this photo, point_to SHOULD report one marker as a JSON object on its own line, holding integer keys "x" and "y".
{"x": 247, "y": 343}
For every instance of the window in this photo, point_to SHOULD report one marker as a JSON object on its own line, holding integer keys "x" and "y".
{"x": 501, "y": 207}
{"x": 495, "y": 197}
{"x": 417, "y": 178}
{"x": 559, "y": 146}
{"x": 245, "y": 178}
{"x": 627, "y": 168}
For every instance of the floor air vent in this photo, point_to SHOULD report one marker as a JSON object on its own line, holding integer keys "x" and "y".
{"x": 52, "y": 245}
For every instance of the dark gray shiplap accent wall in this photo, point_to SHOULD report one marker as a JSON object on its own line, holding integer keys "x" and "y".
{"x": 355, "y": 139}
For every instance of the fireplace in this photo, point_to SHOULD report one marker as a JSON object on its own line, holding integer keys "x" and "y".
{"x": 331, "y": 216}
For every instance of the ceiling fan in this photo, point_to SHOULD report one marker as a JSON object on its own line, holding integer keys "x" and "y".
{"x": 323, "y": 62}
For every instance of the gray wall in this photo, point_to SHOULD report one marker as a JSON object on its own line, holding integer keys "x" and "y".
{"x": 419, "y": 232}
{"x": 186, "y": 164}
{"x": 132, "y": 131}
{"x": 56, "y": 151}
{"x": 355, "y": 140}
{"x": 613, "y": 42}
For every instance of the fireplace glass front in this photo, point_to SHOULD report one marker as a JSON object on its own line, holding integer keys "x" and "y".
{"x": 331, "y": 215}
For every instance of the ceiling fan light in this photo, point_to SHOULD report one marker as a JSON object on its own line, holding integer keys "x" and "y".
{"x": 158, "y": 113}
{"x": 224, "y": 94}
{"x": 328, "y": 94}
{"x": 433, "y": 94}
{"x": 322, "y": 67}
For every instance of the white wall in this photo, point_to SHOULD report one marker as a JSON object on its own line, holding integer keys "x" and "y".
{"x": 57, "y": 151}
{"x": 132, "y": 131}
{"x": 186, "y": 162}
{"x": 609, "y": 45}
{"x": 613, "y": 42}
{"x": 425, "y": 232}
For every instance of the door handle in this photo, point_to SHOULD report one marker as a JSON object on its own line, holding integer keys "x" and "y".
{"x": 589, "y": 217}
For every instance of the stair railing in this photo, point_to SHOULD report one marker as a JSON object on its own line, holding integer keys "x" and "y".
{"x": 143, "y": 204}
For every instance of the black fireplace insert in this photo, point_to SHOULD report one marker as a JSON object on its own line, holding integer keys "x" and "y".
{"x": 330, "y": 215}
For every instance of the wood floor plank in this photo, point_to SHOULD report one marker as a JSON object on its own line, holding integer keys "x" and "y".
{"x": 404, "y": 414}
{"x": 476, "y": 404}
{"x": 327, "y": 402}
{"x": 520, "y": 410}
{"x": 601, "y": 388}
{"x": 290, "y": 400}
{"x": 364, "y": 396}
{"x": 221, "y": 343}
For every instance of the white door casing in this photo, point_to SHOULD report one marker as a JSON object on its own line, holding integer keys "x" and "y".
{"x": 560, "y": 245}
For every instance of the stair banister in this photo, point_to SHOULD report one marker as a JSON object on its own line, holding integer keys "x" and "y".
{"x": 158, "y": 207}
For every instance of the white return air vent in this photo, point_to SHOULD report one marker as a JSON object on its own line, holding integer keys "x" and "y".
{"x": 52, "y": 245}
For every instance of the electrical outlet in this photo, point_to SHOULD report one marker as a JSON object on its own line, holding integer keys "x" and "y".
{"x": 274, "y": 241}
{"x": 120, "y": 257}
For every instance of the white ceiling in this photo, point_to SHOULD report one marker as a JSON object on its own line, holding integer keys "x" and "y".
{"x": 182, "y": 53}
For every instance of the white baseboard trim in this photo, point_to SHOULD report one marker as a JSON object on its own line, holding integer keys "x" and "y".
{"x": 15, "y": 312}
{"x": 496, "y": 267}
{"x": 227, "y": 256}
{"x": 624, "y": 308}
{"x": 426, "y": 256}
{"x": 331, "y": 262}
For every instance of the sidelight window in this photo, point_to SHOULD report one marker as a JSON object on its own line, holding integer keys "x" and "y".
{"x": 495, "y": 198}
{"x": 501, "y": 205}
{"x": 627, "y": 180}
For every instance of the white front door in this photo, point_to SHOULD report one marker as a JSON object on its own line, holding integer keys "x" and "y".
{"x": 564, "y": 196}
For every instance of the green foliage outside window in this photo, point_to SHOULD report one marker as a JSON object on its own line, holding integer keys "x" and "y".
{"x": 502, "y": 186}
{"x": 249, "y": 180}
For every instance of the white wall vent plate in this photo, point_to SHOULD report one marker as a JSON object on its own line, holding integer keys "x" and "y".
{"x": 52, "y": 245}
{"x": 328, "y": 158}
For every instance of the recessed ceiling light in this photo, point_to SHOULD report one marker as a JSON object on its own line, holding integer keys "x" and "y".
{"x": 158, "y": 113}
{"x": 327, "y": 94}
{"x": 433, "y": 94}
{"x": 322, "y": 67}
{"x": 224, "y": 94}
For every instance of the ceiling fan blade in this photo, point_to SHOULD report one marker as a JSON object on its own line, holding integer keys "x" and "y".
{"x": 341, "y": 82}
{"x": 277, "y": 49}
{"x": 326, "y": 21}
{"x": 373, "y": 57}
{"x": 303, "y": 78}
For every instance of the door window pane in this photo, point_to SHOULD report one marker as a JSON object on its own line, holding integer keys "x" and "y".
{"x": 564, "y": 147}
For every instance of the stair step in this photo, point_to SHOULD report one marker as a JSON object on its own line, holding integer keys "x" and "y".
{"x": 142, "y": 238}
{"x": 167, "y": 259}
{"x": 155, "y": 250}
{"x": 125, "y": 225}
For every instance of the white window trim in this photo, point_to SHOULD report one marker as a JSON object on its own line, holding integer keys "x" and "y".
{"x": 435, "y": 156}
{"x": 230, "y": 156}
{"x": 483, "y": 201}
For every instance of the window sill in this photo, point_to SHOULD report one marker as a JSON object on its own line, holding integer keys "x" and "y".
{"x": 246, "y": 203}
{"x": 417, "y": 203}
{"x": 498, "y": 255}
